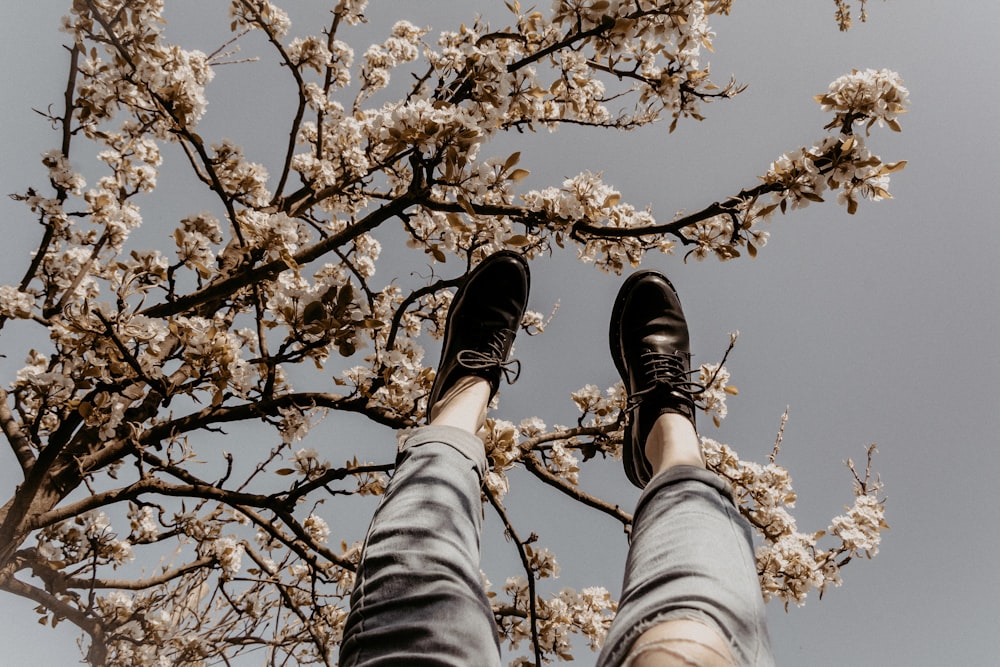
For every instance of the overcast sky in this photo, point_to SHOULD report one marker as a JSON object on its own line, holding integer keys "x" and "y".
{"x": 879, "y": 327}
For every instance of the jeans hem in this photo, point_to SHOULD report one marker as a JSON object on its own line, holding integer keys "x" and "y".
{"x": 468, "y": 445}
{"x": 683, "y": 473}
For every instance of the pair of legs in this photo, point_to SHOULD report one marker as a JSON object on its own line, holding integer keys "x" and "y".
{"x": 671, "y": 442}
{"x": 690, "y": 595}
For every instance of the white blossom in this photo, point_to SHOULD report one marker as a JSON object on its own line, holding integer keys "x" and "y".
{"x": 228, "y": 552}
{"x": 15, "y": 303}
{"x": 317, "y": 528}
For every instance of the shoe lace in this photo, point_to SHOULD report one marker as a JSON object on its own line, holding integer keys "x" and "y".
{"x": 493, "y": 356}
{"x": 666, "y": 372}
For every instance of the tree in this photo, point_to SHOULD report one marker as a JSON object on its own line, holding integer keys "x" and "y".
{"x": 145, "y": 351}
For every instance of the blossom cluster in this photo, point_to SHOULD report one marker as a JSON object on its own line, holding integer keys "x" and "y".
{"x": 843, "y": 165}
{"x": 840, "y": 163}
{"x": 153, "y": 75}
{"x": 87, "y": 537}
{"x": 142, "y": 631}
{"x": 712, "y": 399}
{"x": 791, "y": 563}
{"x": 867, "y": 97}
{"x": 556, "y": 618}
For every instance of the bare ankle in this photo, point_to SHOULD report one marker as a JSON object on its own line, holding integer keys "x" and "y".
{"x": 673, "y": 441}
{"x": 463, "y": 405}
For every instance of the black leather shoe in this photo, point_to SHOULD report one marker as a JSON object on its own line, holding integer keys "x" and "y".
{"x": 651, "y": 349}
{"x": 482, "y": 322}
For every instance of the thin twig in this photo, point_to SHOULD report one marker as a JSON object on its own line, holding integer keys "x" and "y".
{"x": 536, "y": 468}
{"x": 532, "y": 594}
{"x": 781, "y": 434}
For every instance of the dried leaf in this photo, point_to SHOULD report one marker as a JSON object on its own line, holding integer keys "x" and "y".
{"x": 514, "y": 158}
{"x": 892, "y": 167}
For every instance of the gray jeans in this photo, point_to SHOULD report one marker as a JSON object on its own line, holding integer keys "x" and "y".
{"x": 419, "y": 600}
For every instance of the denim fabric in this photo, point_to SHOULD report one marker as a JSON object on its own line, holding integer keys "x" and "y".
{"x": 418, "y": 597}
{"x": 691, "y": 556}
{"x": 419, "y": 600}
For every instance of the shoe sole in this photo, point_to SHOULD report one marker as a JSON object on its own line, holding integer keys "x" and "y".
{"x": 618, "y": 355}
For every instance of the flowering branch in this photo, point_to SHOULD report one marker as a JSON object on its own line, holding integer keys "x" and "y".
{"x": 529, "y": 574}
{"x": 533, "y": 466}
{"x": 143, "y": 355}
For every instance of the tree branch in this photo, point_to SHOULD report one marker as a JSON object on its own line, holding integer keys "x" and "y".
{"x": 207, "y": 300}
{"x": 532, "y": 594}
{"x": 18, "y": 442}
{"x": 255, "y": 410}
{"x": 38, "y": 256}
{"x": 561, "y": 44}
{"x": 97, "y": 655}
{"x": 179, "y": 127}
{"x": 301, "y": 107}
{"x": 58, "y": 581}
{"x": 536, "y": 468}
{"x": 675, "y": 227}
{"x": 147, "y": 486}
{"x": 413, "y": 298}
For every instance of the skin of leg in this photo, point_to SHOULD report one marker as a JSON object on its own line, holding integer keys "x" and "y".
{"x": 673, "y": 441}
{"x": 463, "y": 405}
{"x": 699, "y": 644}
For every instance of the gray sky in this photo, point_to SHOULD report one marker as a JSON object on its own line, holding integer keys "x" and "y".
{"x": 878, "y": 327}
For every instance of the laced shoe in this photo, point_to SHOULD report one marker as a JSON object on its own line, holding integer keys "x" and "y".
{"x": 651, "y": 349}
{"x": 482, "y": 323}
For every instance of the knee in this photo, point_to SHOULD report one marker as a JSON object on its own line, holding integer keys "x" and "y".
{"x": 680, "y": 643}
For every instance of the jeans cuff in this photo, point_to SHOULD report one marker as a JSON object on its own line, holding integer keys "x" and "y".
{"x": 465, "y": 443}
{"x": 676, "y": 474}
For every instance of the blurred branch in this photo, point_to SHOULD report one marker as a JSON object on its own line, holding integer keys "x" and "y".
{"x": 20, "y": 444}
{"x": 97, "y": 655}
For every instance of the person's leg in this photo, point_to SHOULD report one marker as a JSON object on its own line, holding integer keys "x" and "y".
{"x": 691, "y": 595}
{"x": 418, "y": 596}
{"x": 672, "y": 442}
